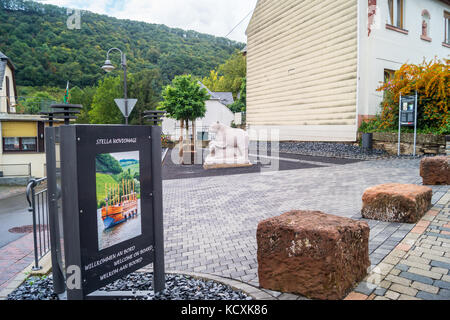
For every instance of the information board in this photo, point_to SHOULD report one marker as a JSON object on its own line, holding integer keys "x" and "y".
{"x": 112, "y": 216}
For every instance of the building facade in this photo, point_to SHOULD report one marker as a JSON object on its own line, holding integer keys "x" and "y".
{"x": 22, "y": 148}
{"x": 216, "y": 111}
{"x": 314, "y": 66}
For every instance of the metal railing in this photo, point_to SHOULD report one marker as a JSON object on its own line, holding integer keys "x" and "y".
{"x": 15, "y": 170}
{"x": 38, "y": 206}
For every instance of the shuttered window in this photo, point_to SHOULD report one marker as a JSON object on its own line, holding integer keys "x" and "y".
{"x": 19, "y": 129}
{"x": 19, "y": 136}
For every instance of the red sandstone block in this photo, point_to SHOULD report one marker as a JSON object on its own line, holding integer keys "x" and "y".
{"x": 396, "y": 202}
{"x": 313, "y": 254}
{"x": 435, "y": 171}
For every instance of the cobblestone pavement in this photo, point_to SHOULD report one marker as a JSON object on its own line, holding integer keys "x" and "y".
{"x": 14, "y": 258}
{"x": 419, "y": 267}
{"x": 211, "y": 222}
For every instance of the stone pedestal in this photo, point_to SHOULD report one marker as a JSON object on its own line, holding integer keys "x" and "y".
{"x": 313, "y": 254}
{"x": 435, "y": 171}
{"x": 396, "y": 202}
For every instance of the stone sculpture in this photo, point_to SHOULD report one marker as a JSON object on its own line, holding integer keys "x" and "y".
{"x": 229, "y": 149}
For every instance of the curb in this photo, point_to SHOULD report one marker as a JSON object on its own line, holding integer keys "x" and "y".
{"x": 249, "y": 290}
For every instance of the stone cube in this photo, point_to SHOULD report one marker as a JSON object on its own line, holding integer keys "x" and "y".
{"x": 396, "y": 202}
{"x": 317, "y": 255}
{"x": 435, "y": 171}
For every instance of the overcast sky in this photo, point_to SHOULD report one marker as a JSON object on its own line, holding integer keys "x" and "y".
{"x": 216, "y": 17}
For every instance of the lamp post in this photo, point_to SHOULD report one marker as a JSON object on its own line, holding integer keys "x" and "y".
{"x": 108, "y": 67}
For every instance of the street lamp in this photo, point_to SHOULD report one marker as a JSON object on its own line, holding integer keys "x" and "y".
{"x": 108, "y": 67}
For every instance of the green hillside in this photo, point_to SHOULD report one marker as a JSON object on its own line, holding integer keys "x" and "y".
{"x": 45, "y": 52}
{"x": 134, "y": 168}
{"x": 103, "y": 179}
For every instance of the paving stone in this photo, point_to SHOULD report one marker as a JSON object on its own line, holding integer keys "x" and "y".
{"x": 416, "y": 277}
{"x": 392, "y": 295}
{"x": 428, "y": 296}
{"x": 407, "y": 297}
{"x": 398, "y": 280}
{"x": 402, "y": 267}
{"x": 380, "y": 291}
{"x": 403, "y": 289}
{"x": 439, "y": 264}
{"x": 365, "y": 288}
{"x": 425, "y": 287}
{"x": 425, "y": 273}
{"x": 445, "y": 294}
{"x": 442, "y": 284}
{"x": 288, "y": 296}
{"x": 439, "y": 270}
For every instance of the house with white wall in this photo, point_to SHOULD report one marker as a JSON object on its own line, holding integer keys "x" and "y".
{"x": 22, "y": 148}
{"x": 313, "y": 67}
{"x": 216, "y": 111}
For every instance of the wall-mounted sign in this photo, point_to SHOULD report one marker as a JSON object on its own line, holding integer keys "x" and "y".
{"x": 112, "y": 204}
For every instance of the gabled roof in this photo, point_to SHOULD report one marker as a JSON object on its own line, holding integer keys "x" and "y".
{"x": 212, "y": 95}
{"x": 225, "y": 97}
{"x": 4, "y": 62}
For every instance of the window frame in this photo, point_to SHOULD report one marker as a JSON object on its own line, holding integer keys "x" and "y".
{"x": 446, "y": 42}
{"x": 20, "y": 150}
{"x": 396, "y": 21}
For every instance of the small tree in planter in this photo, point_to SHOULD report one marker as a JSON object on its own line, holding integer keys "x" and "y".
{"x": 184, "y": 100}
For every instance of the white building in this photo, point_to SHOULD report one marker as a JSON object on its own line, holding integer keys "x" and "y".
{"x": 314, "y": 66}
{"x": 216, "y": 110}
{"x": 22, "y": 148}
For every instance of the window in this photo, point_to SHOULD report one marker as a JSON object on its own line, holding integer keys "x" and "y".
{"x": 447, "y": 28}
{"x": 20, "y": 144}
{"x": 396, "y": 13}
{"x": 388, "y": 75}
{"x": 8, "y": 104}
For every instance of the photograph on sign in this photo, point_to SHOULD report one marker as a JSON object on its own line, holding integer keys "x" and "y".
{"x": 118, "y": 198}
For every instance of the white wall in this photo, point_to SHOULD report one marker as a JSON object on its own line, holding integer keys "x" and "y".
{"x": 388, "y": 49}
{"x": 215, "y": 111}
{"x": 9, "y": 74}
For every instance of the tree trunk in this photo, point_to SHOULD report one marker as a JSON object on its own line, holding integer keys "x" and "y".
{"x": 193, "y": 143}
{"x": 181, "y": 139}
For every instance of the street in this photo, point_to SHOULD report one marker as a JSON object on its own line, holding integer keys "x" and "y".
{"x": 13, "y": 213}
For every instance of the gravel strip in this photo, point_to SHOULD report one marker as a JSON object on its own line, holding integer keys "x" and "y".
{"x": 178, "y": 287}
{"x": 328, "y": 149}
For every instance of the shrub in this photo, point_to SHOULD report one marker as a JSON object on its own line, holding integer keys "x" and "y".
{"x": 431, "y": 80}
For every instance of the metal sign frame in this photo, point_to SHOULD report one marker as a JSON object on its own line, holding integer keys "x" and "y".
{"x": 79, "y": 144}
{"x": 403, "y": 100}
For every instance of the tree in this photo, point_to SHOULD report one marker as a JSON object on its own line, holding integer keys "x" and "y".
{"x": 430, "y": 80}
{"x": 104, "y": 110}
{"x": 83, "y": 97}
{"x": 228, "y": 76}
{"x": 240, "y": 105}
{"x": 184, "y": 100}
{"x": 146, "y": 87}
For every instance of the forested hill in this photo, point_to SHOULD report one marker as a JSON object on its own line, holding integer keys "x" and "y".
{"x": 46, "y": 53}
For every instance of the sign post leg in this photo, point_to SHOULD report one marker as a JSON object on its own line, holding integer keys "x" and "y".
{"x": 399, "y": 123}
{"x": 158, "y": 265}
{"x": 53, "y": 197}
{"x": 415, "y": 125}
